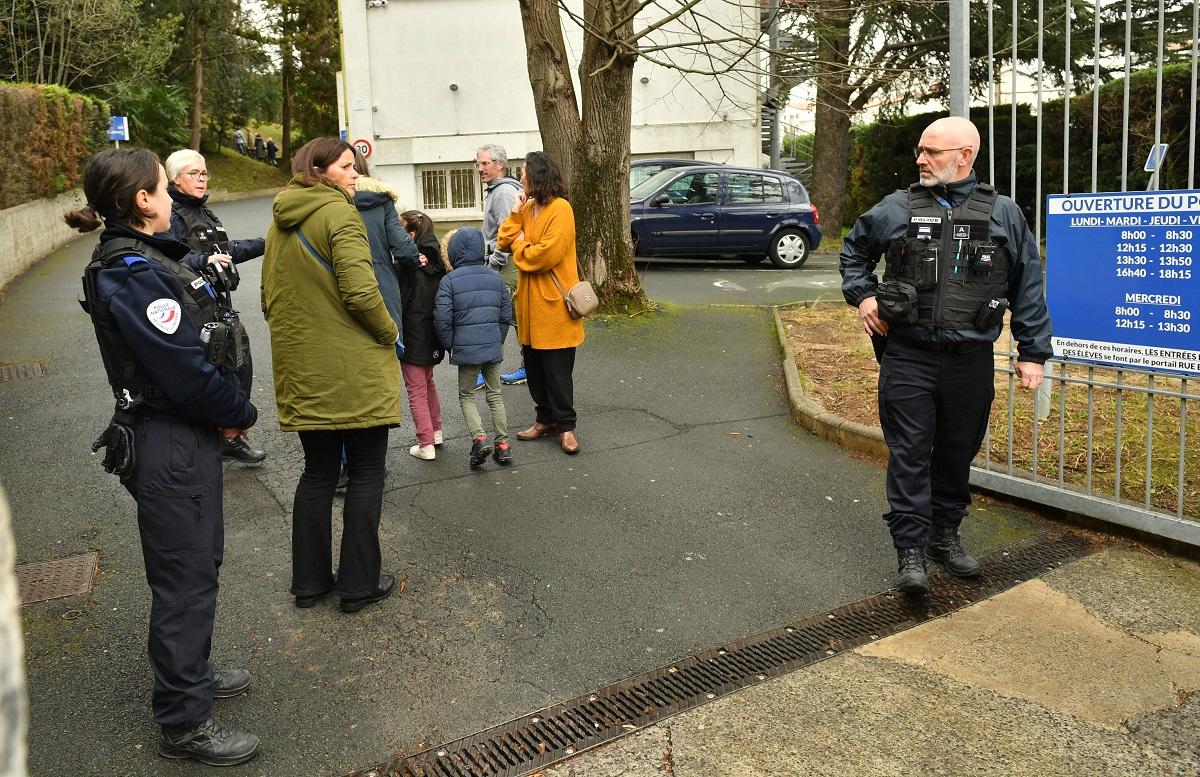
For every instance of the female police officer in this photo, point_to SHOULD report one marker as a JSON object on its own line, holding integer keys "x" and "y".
{"x": 175, "y": 398}
{"x": 193, "y": 223}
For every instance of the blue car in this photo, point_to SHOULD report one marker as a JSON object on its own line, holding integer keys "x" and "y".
{"x": 717, "y": 211}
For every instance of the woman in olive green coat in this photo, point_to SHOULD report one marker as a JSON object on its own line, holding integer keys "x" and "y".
{"x": 337, "y": 381}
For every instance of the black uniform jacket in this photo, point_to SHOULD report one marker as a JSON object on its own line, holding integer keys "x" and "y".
{"x": 240, "y": 250}
{"x": 888, "y": 220}
{"x": 145, "y": 300}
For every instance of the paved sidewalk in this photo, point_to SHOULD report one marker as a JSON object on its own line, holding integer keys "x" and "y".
{"x": 697, "y": 513}
{"x": 1091, "y": 670}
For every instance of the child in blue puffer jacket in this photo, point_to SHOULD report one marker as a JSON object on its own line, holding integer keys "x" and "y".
{"x": 471, "y": 316}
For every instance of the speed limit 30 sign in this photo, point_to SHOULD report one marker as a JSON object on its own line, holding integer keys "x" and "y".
{"x": 364, "y": 147}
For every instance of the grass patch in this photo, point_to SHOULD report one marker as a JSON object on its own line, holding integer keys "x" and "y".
{"x": 232, "y": 172}
{"x": 838, "y": 370}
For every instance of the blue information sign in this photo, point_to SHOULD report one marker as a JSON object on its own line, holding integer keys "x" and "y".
{"x": 118, "y": 128}
{"x": 1123, "y": 278}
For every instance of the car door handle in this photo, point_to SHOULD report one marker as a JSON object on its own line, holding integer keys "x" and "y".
{"x": 772, "y": 213}
{"x": 708, "y": 216}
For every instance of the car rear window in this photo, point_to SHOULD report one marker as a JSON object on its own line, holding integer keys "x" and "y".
{"x": 798, "y": 193}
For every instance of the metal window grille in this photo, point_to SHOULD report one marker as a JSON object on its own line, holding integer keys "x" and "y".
{"x": 433, "y": 189}
{"x": 464, "y": 188}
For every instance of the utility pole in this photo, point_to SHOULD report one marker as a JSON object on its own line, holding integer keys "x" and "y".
{"x": 776, "y": 91}
{"x": 960, "y": 59}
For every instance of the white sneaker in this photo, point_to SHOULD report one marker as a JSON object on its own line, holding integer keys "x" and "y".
{"x": 437, "y": 437}
{"x": 425, "y": 452}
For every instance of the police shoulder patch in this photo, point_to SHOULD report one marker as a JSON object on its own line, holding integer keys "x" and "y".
{"x": 164, "y": 314}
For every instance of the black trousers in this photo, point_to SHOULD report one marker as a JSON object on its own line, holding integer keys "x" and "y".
{"x": 552, "y": 384}
{"x": 933, "y": 407}
{"x": 178, "y": 487}
{"x": 312, "y": 512}
{"x": 245, "y": 376}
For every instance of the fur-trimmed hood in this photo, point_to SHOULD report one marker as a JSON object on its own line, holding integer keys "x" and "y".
{"x": 368, "y": 184}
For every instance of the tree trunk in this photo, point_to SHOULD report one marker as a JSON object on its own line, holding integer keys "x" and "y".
{"x": 593, "y": 150}
{"x": 285, "y": 135}
{"x": 197, "y": 83}
{"x": 831, "y": 136}
{"x": 550, "y": 78}
{"x": 600, "y": 189}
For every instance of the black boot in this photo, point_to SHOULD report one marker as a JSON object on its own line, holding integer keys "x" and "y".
{"x": 945, "y": 548}
{"x": 387, "y": 584}
{"x": 209, "y": 743}
{"x": 911, "y": 578}
{"x": 230, "y": 683}
{"x": 238, "y": 449}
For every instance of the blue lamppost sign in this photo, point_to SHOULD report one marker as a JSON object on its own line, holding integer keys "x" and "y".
{"x": 118, "y": 129}
{"x": 1123, "y": 278}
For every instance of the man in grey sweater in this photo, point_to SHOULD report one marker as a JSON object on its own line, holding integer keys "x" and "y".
{"x": 500, "y": 192}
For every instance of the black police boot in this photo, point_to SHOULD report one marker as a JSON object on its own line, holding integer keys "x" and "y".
{"x": 911, "y": 578}
{"x": 945, "y": 548}
{"x": 238, "y": 449}
{"x": 387, "y": 584}
{"x": 230, "y": 683}
{"x": 209, "y": 743}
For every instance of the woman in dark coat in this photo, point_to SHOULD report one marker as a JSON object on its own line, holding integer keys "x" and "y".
{"x": 390, "y": 244}
{"x": 418, "y": 288}
{"x": 192, "y": 222}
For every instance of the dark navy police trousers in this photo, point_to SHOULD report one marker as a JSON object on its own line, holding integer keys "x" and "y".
{"x": 933, "y": 408}
{"x": 178, "y": 487}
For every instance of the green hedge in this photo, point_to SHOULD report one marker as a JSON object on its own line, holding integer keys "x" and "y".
{"x": 49, "y": 132}
{"x": 881, "y": 154}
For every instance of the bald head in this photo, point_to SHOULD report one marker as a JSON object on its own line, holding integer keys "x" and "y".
{"x": 950, "y": 147}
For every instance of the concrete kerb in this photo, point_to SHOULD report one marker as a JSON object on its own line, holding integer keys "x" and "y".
{"x": 812, "y": 415}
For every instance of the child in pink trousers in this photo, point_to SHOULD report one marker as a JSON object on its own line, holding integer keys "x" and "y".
{"x": 418, "y": 287}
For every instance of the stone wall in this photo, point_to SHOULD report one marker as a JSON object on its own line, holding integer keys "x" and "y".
{"x": 32, "y": 230}
{"x": 12, "y": 658}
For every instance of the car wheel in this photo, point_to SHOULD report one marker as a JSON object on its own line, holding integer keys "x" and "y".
{"x": 752, "y": 259}
{"x": 789, "y": 249}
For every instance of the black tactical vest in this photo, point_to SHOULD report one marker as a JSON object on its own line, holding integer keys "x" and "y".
{"x": 205, "y": 235}
{"x": 125, "y": 372}
{"x": 949, "y": 257}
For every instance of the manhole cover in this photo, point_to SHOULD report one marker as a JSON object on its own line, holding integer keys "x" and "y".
{"x": 16, "y": 371}
{"x": 56, "y": 579}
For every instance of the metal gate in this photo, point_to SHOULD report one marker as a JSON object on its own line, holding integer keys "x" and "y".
{"x": 1120, "y": 445}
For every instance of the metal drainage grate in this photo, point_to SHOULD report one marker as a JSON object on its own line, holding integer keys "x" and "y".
{"x": 17, "y": 371}
{"x": 533, "y": 742}
{"x": 56, "y": 579}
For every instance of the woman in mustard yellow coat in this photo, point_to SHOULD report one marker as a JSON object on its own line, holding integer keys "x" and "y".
{"x": 540, "y": 234}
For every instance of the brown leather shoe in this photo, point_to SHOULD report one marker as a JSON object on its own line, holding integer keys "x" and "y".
{"x": 537, "y": 431}
{"x": 569, "y": 443}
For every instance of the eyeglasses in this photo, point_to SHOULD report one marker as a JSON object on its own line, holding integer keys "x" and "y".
{"x": 932, "y": 152}
{"x": 199, "y": 175}
{"x": 485, "y": 164}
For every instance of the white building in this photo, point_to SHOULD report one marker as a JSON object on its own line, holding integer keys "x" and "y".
{"x": 426, "y": 82}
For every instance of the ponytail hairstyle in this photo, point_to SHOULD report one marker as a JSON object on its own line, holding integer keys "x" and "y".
{"x": 111, "y": 181}
{"x": 416, "y": 222}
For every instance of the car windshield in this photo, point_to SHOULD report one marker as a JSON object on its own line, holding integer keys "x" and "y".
{"x": 648, "y": 186}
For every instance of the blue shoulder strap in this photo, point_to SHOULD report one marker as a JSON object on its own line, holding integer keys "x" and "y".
{"x": 314, "y": 253}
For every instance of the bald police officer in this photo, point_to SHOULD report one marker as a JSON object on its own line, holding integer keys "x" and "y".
{"x": 958, "y": 255}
